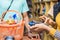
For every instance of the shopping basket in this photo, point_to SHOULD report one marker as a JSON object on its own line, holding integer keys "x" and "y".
{"x": 12, "y": 30}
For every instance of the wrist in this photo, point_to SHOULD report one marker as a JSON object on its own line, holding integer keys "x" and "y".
{"x": 47, "y": 28}
{"x": 52, "y": 31}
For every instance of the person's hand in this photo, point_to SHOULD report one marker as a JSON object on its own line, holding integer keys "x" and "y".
{"x": 30, "y": 35}
{"x": 50, "y": 22}
{"x": 39, "y": 27}
{"x": 47, "y": 20}
{"x": 43, "y": 17}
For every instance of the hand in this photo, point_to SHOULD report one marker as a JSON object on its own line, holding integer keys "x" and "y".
{"x": 39, "y": 27}
{"x": 30, "y": 35}
{"x": 29, "y": 32}
{"x": 47, "y": 20}
{"x": 43, "y": 17}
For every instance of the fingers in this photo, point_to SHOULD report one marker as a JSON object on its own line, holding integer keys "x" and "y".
{"x": 33, "y": 27}
{"x": 47, "y": 20}
{"x": 36, "y": 29}
{"x": 43, "y": 18}
{"x": 30, "y": 35}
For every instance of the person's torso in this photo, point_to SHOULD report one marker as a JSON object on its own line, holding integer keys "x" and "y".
{"x": 58, "y": 21}
{"x": 16, "y": 5}
{"x": 57, "y": 14}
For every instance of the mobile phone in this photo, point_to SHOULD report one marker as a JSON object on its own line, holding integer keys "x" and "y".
{"x": 31, "y": 23}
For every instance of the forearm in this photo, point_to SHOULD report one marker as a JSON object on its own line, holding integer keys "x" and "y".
{"x": 26, "y": 19}
{"x": 27, "y": 23}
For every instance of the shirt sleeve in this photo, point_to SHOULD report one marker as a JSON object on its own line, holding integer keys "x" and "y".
{"x": 52, "y": 31}
{"x": 25, "y": 7}
{"x": 55, "y": 33}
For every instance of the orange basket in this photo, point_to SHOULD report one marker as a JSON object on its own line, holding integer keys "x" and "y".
{"x": 14, "y": 30}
